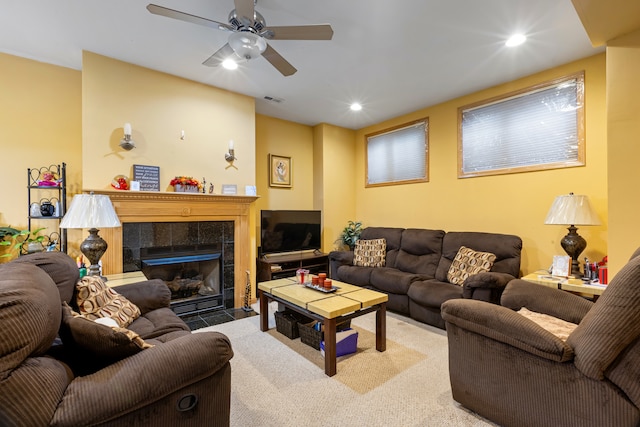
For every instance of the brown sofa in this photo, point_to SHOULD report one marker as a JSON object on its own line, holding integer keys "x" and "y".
{"x": 510, "y": 370}
{"x": 416, "y": 265}
{"x": 184, "y": 379}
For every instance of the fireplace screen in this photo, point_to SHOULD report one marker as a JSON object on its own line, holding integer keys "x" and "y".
{"x": 187, "y": 275}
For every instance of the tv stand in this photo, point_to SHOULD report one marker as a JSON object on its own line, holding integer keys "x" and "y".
{"x": 285, "y": 264}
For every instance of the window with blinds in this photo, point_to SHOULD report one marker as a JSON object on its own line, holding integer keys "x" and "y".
{"x": 398, "y": 155}
{"x": 541, "y": 127}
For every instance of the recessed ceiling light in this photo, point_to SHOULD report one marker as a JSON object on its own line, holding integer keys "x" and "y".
{"x": 516, "y": 40}
{"x": 356, "y": 107}
{"x": 229, "y": 64}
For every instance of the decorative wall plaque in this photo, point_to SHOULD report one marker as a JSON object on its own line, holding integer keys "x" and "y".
{"x": 147, "y": 176}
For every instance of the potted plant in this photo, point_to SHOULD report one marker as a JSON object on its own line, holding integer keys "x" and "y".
{"x": 350, "y": 234}
{"x": 17, "y": 240}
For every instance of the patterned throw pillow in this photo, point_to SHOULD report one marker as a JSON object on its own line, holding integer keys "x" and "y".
{"x": 96, "y": 345}
{"x": 370, "y": 253}
{"x": 468, "y": 262}
{"x": 95, "y": 299}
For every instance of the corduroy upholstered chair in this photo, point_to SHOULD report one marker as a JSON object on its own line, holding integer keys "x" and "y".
{"x": 183, "y": 380}
{"x": 512, "y": 371}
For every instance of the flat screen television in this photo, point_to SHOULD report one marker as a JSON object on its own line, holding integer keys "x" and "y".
{"x": 289, "y": 230}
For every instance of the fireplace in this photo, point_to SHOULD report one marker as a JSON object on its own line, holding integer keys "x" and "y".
{"x": 167, "y": 207}
{"x": 194, "y": 259}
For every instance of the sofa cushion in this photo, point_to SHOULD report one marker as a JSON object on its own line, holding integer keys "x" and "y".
{"x": 392, "y": 280}
{"x": 158, "y": 323}
{"x": 59, "y": 266}
{"x": 507, "y": 249}
{"x": 98, "y": 344}
{"x": 420, "y": 251}
{"x": 432, "y": 293}
{"x": 355, "y": 275}
{"x": 611, "y": 325}
{"x": 370, "y": 253}
{"x": 95, "y": 299}
{"x": 29, "y": 314}
{"x": 468, "y": 262}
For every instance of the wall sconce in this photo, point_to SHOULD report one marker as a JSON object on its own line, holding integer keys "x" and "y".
{"x": 231, "y": 155}
{"x": 126, "y": 142}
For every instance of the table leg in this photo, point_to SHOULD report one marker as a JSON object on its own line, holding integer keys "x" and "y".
{"x": 381, "y": 327}
{"x": 264, "y": 311}
{"x": 330, "y": 347}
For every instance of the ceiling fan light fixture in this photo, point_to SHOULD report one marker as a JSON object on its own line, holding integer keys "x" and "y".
{"x": 247, "y": 45}
{"x": 230, "y": 64}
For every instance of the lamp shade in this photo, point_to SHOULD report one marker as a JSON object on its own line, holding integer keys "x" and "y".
{"x": 90, "y": 211}
{"x": 572, "y": 209}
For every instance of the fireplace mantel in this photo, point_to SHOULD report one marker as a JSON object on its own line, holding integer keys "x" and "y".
{"x": 153, "y": 206}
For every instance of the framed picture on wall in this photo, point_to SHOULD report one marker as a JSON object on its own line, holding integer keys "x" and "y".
{"x": 279, "y": 171}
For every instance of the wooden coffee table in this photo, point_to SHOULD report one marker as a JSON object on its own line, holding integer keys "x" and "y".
{"x": 331, "y": 309}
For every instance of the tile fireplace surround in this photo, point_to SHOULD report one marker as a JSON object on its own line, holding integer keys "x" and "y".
{"x": 151, "y": 206}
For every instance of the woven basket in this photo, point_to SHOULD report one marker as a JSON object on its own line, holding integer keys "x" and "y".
{"x": 287, "y": 324}
{"x": 313, "y": 338}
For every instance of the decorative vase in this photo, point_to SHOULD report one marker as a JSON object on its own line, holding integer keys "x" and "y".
{"x": 33, "y": 247}
{"x": 179, "y": 188}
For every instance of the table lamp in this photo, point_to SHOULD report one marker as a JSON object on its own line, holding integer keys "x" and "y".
{"x": 91, "y": 211}
{"x": 572, "y": 210}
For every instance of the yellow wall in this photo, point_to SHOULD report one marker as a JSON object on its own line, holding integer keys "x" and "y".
{"x": 159, "y": 106}
{"x": 623, "y": 115}
{"x": 40, "y": 125}
{"x": 334, "y": 180}
{"x": 284, "y": 138}
{"x": 512, "y": 204}
{"x": 48, "y": 123}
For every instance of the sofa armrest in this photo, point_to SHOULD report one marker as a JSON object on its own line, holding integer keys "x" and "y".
{"x": 148, "y": 295}
{"x": 485, "y": 280}
{"x": 507, "y": 326}
{"x": 554, "y": 302}
{"x": 338, "y": 258}
{"x": 143, "y": 379}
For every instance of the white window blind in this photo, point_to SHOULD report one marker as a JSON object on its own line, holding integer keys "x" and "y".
{"x": 398, "y": 156}
{"x": 540, "y": 128}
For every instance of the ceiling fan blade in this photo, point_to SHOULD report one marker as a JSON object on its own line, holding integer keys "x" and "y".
{"x": 278, "y": 61}
{"x": 300, "y": 32}
{"x": 176, "y": 14}
{"x": 245, "y": 10}
{"x": 221, "y": 54}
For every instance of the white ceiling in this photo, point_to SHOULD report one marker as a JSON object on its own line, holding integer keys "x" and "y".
{"x": 392, "y": 57}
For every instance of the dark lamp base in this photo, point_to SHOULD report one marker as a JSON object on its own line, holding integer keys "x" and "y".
{"x": 573, "y": 244}
{"x": 93, "y": 248}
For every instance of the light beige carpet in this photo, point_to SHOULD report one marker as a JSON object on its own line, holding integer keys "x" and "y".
{"x": 365, "y": 369}
{"x": 280, "y": 382}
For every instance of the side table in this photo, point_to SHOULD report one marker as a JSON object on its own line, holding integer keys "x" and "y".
{"x": 576, "y": 286}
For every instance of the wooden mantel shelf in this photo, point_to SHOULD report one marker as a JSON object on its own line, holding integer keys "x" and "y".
{"x": 156, "y": 206}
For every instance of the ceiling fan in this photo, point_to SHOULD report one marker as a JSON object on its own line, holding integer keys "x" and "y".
{"x": 249, "y": 34}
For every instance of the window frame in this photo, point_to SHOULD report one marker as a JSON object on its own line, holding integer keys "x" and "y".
{"x": 580, "y": 127}
{"x": 392, "y": 129}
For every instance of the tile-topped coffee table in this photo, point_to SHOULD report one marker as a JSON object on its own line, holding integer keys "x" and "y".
{"x": 346, "y": 303}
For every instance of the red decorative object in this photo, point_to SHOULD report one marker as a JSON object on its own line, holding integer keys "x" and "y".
{"x": 186, "y": 183}
{"x": 120, "y": 182}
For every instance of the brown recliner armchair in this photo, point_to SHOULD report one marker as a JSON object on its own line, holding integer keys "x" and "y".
{"x": 183, "y": 380}
{"x": 512, "y": 371}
